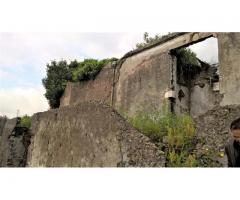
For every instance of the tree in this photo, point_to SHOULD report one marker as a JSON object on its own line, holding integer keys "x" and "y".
{"x": 58, "y": 74}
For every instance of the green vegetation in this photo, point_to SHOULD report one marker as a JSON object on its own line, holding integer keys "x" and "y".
{"x": 25, "y": 121}
{"x": 187, "y": 60}
{"x": 88, "y": 69}
{"x": 177, "y": 132}
{"x": 150, "y": 40}
{"x": 59, "y": 73}
{"x": 188, "y": 65}
{"x": 182, "y": 159}
{"x": 186, "y": 57}
{"x": 154, "y": 125}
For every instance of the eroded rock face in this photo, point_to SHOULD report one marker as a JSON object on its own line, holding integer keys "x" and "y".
{"x": 98, "y": 89}
{"x": 89, "y": 135}
{"x": 13, "y": 144}
{"x": 213, "y": 130}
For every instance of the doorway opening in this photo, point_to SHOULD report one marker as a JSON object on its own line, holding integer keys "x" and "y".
{"x": 196, "y": 77}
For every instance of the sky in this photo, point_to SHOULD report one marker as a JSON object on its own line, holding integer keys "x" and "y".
{"x": 23, "y": 59}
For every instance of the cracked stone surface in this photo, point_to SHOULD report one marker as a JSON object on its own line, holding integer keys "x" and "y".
{"x": 14, "y": 143}
{"x": 89, "y": 135}
{"x": 213, "y": 130}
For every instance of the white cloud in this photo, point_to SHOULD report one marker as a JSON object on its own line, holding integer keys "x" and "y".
{"x": 207, "y": 50}
{"x": 17, "y": 49}
{"x": 26, "y": 100}
{"x": 4, "y": 74}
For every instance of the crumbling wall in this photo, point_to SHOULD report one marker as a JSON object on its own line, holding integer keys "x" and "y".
{"x": 3, "y": 121}
{"x": 213, "y": 130}
{"x": 229, "y": 60}
{"x": 4, "y": 143}
{"x": 98, "y": 89}
{"x": 89, "y": 135}
{"x": 142, "y": 82}
{"x": 181, "y": 99}
{"x": 14, "y": 144}
{"x": 204, "y": 96}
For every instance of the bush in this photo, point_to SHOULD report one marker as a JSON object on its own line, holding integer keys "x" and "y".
{"x": 154, "y": 125}
{"x": 25, "y": 121}
{"x": 186, "y": 57}
{"x": 88, "y": 69}
{"x": 150, "y": 40}
{"x": 59, "y": 73}
{"x": 176, "y": 131}
{"x": 188, "y": 64}
{"x": 179, "y": 130}
{"x": 182, "y": 159}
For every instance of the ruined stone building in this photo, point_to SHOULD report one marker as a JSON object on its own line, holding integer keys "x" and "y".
{"x": 146, "y": 78}
{"x": 87, "y": 131}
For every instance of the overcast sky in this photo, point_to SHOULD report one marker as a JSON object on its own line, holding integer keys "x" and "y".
{"x": 23, "y": 58}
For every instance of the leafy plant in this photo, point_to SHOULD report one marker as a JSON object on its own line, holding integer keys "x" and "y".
{"x": 88, "y": 69}
{"x": 181, "y": 132}
{"x": 25, "y": 121}
{"x": 188, "y": 64}
{"x": 154, "y": 124}
{"x": 59, "y": 73}
{"x": 182, "y": 159}
{"x": 176, "y": 131}
{"x": 147, "y": 40}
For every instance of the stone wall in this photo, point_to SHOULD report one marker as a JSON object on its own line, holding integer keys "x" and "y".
{"x": 229, "y": 60}
{"x": 4, "y": 143}
{"x": 3, "y": 121}
{"x": 202, "y": 96}
{"x": 98, "y": 89}
{"x": 142, "y": 82}
{"x": 181, "y": 99}
{"x": 89, "y": 135}
{"x": 213, "y": 130}
{"x": 14, "y": 144}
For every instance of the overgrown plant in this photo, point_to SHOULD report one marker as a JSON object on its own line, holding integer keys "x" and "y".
{"x": 147, "y": 40}
{"x": 25, "y": 121}
{"x": 88, "y": 69}
{"x": 182, "y": 159}
{"x": 188, "y": 64}
{"x": 176, "y": 131}
{"x": 59, "y": 73}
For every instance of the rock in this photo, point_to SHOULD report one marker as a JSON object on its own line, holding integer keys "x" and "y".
{"x": 98, "y": 136}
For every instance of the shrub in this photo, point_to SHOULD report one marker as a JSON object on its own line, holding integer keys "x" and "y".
{"x": 178, "y": 131}
{"x": 182, "y": 159}
{"x": 150, "y": 40}
{"x": 154, "y": 125}
{"x": 87, "y": 69}
{"x": 59, "y": 73}
{"x": 188, "y": 64}
{"x": 25, "y": 121}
